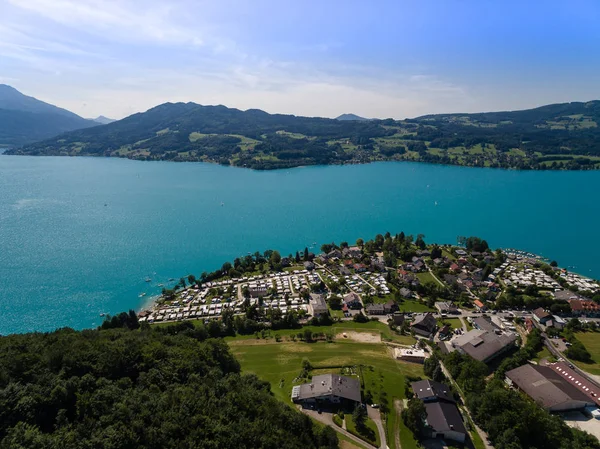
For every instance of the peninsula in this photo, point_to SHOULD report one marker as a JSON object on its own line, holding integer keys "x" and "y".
{"x": 422, "y": 335}
{"x": 554, "y": 137}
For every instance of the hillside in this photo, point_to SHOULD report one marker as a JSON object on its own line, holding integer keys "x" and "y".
{"x": 147, "y": 389}
{"x": 561, "y": 136}
{"x": 24, "y": 119}
{"x": 351, "y": 117}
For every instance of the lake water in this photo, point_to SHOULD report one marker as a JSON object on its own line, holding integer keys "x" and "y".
{"x": 78, "y": 236}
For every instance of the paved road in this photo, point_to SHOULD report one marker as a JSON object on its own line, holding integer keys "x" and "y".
{"x": 375, "y": 415}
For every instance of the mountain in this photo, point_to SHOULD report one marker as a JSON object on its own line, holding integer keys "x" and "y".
{"x": 351, "y": 117}
{"x": 103, "y": 120}
{"x": 24, "y": 119}
{"x": 560, "y": 136}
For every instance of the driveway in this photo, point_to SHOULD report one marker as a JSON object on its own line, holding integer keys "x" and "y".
{"x": 375, "y": 415}
{"x": 327, "y": 419}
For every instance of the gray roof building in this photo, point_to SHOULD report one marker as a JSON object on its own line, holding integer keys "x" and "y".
{"x": 328, "y": 387}
{"x": 376, "y": 309}
{"x": 424, "y": 324}
{"x": 547, "y": 388}
{"x": 445, "y": 421}
{"x": 317, "y": 305}
{"x": 484, "y": 346}
{"x": 484, "y": 324}
{"x": 430, "y": 390}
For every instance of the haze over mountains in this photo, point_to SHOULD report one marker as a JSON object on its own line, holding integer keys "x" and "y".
{"x": 25, "y": 119}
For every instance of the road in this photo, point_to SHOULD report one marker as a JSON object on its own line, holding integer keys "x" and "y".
{"x": 375, "y": 415}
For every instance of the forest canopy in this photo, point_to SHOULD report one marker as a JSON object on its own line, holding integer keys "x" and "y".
{"x": 148, "y": 388}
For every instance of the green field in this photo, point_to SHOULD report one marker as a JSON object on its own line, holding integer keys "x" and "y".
{"x": 413, "y": 305}
{"x": 591, "y": 341}
{"x": 280, "y": 363}
{"x": 426, "y": 278}
{"x": 453, "y": 322}
{"x": 544, "y": 353}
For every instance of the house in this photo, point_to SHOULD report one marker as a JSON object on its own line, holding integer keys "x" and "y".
{"x": 444, "y": 420}
{"x": 328, "y": 388}
{"x": 454, "y": 267}
{"x": 445, "y": 331}
{"x": 431, "y": 391}
{"x": 309, "y": 265}
{"x": 424, "y": 324}
{"x": 483, "y": 345}
{"x": 541, "y": 316}
{"x": 359, "y": 267}
{"x": 353, "y": 251}
{"x": 548, "y": 388}
{"x": 375, "y": 309}
{"x": 398, "y": 319}
{"x": 461, "y": 252}
{"x": 446, "y": 307}
{"x": 581, "y": 307}
{"x": 556, "y": 322}
{"x": 479, "y": 305}
{"x": 334, "y": 254}
{"x": 390, "y": 307}
{"x": 405, "y": 293}
{"x": 410, "y": 355}
{"x": 352, "y": 300}
{"x": 529, "y": 324}
{"x": 317, "y": 305}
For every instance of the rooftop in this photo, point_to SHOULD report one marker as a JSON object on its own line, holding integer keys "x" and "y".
{"x": 326, "y": 385}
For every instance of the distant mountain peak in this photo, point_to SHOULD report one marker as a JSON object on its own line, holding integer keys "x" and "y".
{"x": 352, "y": 117}
{"x": 103, "y": 120}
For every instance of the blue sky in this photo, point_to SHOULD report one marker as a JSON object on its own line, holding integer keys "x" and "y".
{"x": 375, "y": 58}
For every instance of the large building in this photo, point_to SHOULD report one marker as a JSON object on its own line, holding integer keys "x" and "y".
{"x": 330, "y": 388}
{"x": 443, "y": 417}
{"x": 483, "y": 345}
{"x": 548, "y": 388}
{"x": 317, "y": 305}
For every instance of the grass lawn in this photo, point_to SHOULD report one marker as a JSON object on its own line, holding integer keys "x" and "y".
{"x": 280, "y": 364}
{"x": 453, "y": 322}
{"x": 543, "y": 354}
{"x": 370, "y": 425}
{"x": 591, "y": 341}
{"x": 427, "y": 277}
{"x": 414, "y": 305}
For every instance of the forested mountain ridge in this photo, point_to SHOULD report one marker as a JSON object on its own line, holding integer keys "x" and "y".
{"x": 25, "y": 119}
{"x": 140, "y": 388}
{"x": 560, "y": 136}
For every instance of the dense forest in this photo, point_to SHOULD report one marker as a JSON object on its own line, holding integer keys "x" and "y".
{"x": 560, "y": 136}
{"x": 132, "y": 387}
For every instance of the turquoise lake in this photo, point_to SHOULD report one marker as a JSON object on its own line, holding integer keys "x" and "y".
{"x": 78, "y": 236}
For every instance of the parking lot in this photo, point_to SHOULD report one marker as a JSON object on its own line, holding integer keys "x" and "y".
{"x": 579, "y": 421}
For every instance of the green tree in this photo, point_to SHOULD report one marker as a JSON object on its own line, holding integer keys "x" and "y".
{"x": 359, "y": 416}
{"x": 414, "y": 416}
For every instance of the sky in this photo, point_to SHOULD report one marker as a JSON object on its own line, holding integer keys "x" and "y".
{"x": 374, "y": 58}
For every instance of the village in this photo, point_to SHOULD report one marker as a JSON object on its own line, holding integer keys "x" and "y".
{"x": 447, "y": 299}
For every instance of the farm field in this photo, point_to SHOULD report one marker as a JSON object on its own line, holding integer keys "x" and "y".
{"x": 280, "y": 363}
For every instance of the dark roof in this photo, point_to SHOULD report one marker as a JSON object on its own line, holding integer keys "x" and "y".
{"x": 330, "y": 384}
{"x": 427, "y": 388}
{"x": 375, "y": 308}
{"x": 545, "y": 386}
{"x": 425, "y": 321}
{"x": 541, "y": 313}
{"x": 444, "y": 416}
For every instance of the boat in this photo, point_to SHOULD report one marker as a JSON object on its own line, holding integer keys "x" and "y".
{"x": 102, "y": 314}
{"x": 141, "y": 295}
{"x": 161, "y": 285}
{"x": 171, "y": 279}
{"x": 222, "y": 203}
{"x": 148, "y": 279}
